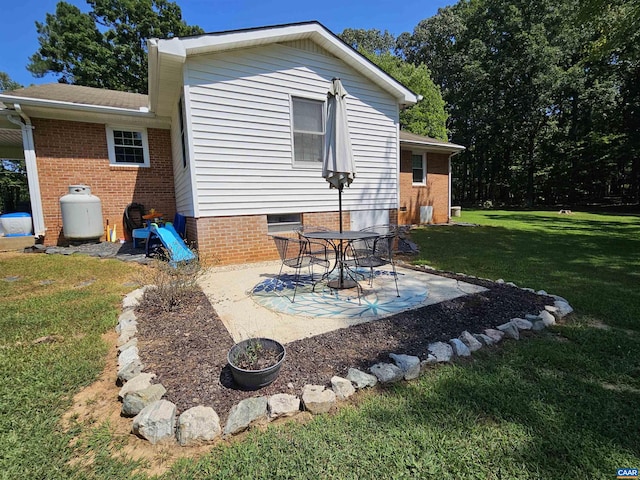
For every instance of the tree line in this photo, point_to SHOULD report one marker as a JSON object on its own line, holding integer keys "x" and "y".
{"x": 545, "y": 95}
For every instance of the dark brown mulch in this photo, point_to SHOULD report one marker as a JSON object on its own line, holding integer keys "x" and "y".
{"x": 187, "y": 349}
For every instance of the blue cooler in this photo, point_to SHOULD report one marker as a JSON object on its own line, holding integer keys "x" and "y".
{"x": 16, "y": 224}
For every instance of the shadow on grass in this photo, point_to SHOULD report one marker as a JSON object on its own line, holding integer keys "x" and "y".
{"x": 542, "y": 406}
{"x": 596, "y": 269}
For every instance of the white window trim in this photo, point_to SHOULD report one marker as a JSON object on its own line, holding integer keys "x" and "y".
{"x": 112, "y": 148}
{"x": 303, "y": 164}
{"x": 424, "y": 169}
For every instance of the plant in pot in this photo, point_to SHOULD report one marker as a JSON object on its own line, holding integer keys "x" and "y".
{"x": 256, "y": 362}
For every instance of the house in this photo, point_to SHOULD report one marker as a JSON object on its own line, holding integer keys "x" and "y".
{"x": 231, "y": 136}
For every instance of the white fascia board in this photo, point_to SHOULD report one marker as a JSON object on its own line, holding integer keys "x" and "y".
{"x": 51, "y": 112}
{"x": 434, "y": 146}
{"x": 212, "y": 43}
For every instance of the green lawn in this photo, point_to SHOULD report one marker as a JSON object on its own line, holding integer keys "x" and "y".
{"x": 563, "y": 404}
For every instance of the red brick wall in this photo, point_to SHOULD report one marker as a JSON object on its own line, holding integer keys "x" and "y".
{"x": 245, "y": 239}
{"x": 71, "y": 153}
{"x": 435, "y": 193}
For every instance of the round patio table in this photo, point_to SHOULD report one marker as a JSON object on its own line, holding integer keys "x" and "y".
{"x": 337, "y": 241}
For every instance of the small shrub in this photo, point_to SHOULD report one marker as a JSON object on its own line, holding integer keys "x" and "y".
{"x": 171, "y": 284}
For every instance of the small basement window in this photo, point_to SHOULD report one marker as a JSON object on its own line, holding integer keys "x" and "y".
{"x": 283, "y": 222}
{"x": 128, "y": 146}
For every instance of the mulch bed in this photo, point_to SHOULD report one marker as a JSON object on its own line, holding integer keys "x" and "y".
{"x": 187, "y": 349}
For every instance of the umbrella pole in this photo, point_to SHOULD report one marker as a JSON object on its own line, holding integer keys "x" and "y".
{"x": 341, "y": 282}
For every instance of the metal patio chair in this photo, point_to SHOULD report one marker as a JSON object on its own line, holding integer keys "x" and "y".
{"x": 376, "y": 252}
{"x": 299, "y": 253}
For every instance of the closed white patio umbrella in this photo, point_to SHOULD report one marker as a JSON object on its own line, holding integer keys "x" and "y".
{"x": 338, "y": 167}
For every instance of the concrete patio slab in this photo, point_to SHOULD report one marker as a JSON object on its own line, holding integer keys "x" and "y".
{"x": 251, "y": 303}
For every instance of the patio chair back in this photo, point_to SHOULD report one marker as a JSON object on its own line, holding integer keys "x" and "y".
{"x": 300, "y": 253}
{"x": 377, "y": 252}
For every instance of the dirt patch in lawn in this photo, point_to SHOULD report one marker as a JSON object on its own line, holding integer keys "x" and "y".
{"x": 187, "y": 349}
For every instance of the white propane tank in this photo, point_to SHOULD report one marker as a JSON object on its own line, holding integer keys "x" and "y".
{"x": 81, "y": 214}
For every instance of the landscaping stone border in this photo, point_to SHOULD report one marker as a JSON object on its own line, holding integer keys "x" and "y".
{"x": 155, "y": 419}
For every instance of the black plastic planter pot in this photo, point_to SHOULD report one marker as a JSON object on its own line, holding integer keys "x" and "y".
{"x": 255, "y": 379}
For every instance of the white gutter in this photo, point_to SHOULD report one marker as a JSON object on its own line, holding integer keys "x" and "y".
{"x": 143, "y": 112}
{"x": 33, "y": 181}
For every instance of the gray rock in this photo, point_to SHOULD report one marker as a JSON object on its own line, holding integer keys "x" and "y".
{"x": 198, "y": 425}
{"x": 137, "y": 383}
{"x": 342, "y": 387}
{"x": 130, "y": 370}
{"x": 538, "y": 326}
{"x": 361, "y": 379}
{"x": 126, "y": 334}
{"x": 485, "y": 340}
{"x": 511, "y": 284}
{"x": 531, "y": 317}
{"x": 244, "y": 413}
{"x": 550, "y": 308}
{"x": 510, "y": 330}
{"x": 530, "y": 290}
{"x": 132, "y": 299}
{"x": 430, "y": 360}
{"x": 500, "y": 281}
{"x": 521, "y": 323}
{"x": 133, "y": 342}
{"x": 127, "y": 319}
{"x": 558, "y": 298}
{"x": 493, "y": 334}
{"x": 470, "y": 341}
{"x": 409, "y": 364}
{"x": 128, "y": 356}
{"x": 547, "y": 318}
{"x": 134, "y": 402}
{"x": 542, "y": 292}
{"x": 459, "y": 348}
{"x": 318, "y": 400}
{"x": 156, "y": 422}
{"x": 564, "y": 308}
{"x": 387, "y": 372}
{"x": 283, "y": 405}
{"x": 442, "y": 351}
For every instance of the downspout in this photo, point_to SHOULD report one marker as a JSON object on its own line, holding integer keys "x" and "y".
{"x": 33, "y": 181}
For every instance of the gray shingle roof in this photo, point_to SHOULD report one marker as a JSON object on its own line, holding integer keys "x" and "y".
{"x": 82, "y": 95}
{"x": 413, "y": 138}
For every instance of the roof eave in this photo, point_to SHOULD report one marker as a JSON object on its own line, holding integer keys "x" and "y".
{"x": 40, "y": 102}
{"x": 434, "y": 146}
{"x": 180, "y": 48}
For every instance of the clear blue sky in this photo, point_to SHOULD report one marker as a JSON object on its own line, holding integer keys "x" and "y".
{"x": 19, "y": 39}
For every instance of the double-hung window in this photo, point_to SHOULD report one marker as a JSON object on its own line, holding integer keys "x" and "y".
{"x": 128, "y": 146}
{"x": 419, "y": 168}
{"x": 308, "y": 131}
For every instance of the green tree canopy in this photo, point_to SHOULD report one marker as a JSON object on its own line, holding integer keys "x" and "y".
{"x": 106, "y": 47}
{"x": 6, "y": 83}
{"x": 428, "y": 116}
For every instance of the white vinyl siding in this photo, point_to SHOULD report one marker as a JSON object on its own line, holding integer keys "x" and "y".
{"x": 241, "y": 120}
{"x": 181, "y": 174}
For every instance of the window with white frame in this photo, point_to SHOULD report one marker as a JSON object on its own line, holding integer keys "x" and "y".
{"x": 419, "y": 168}
{"x": 308, "y": 130}
{"x": 128, "y": 146}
